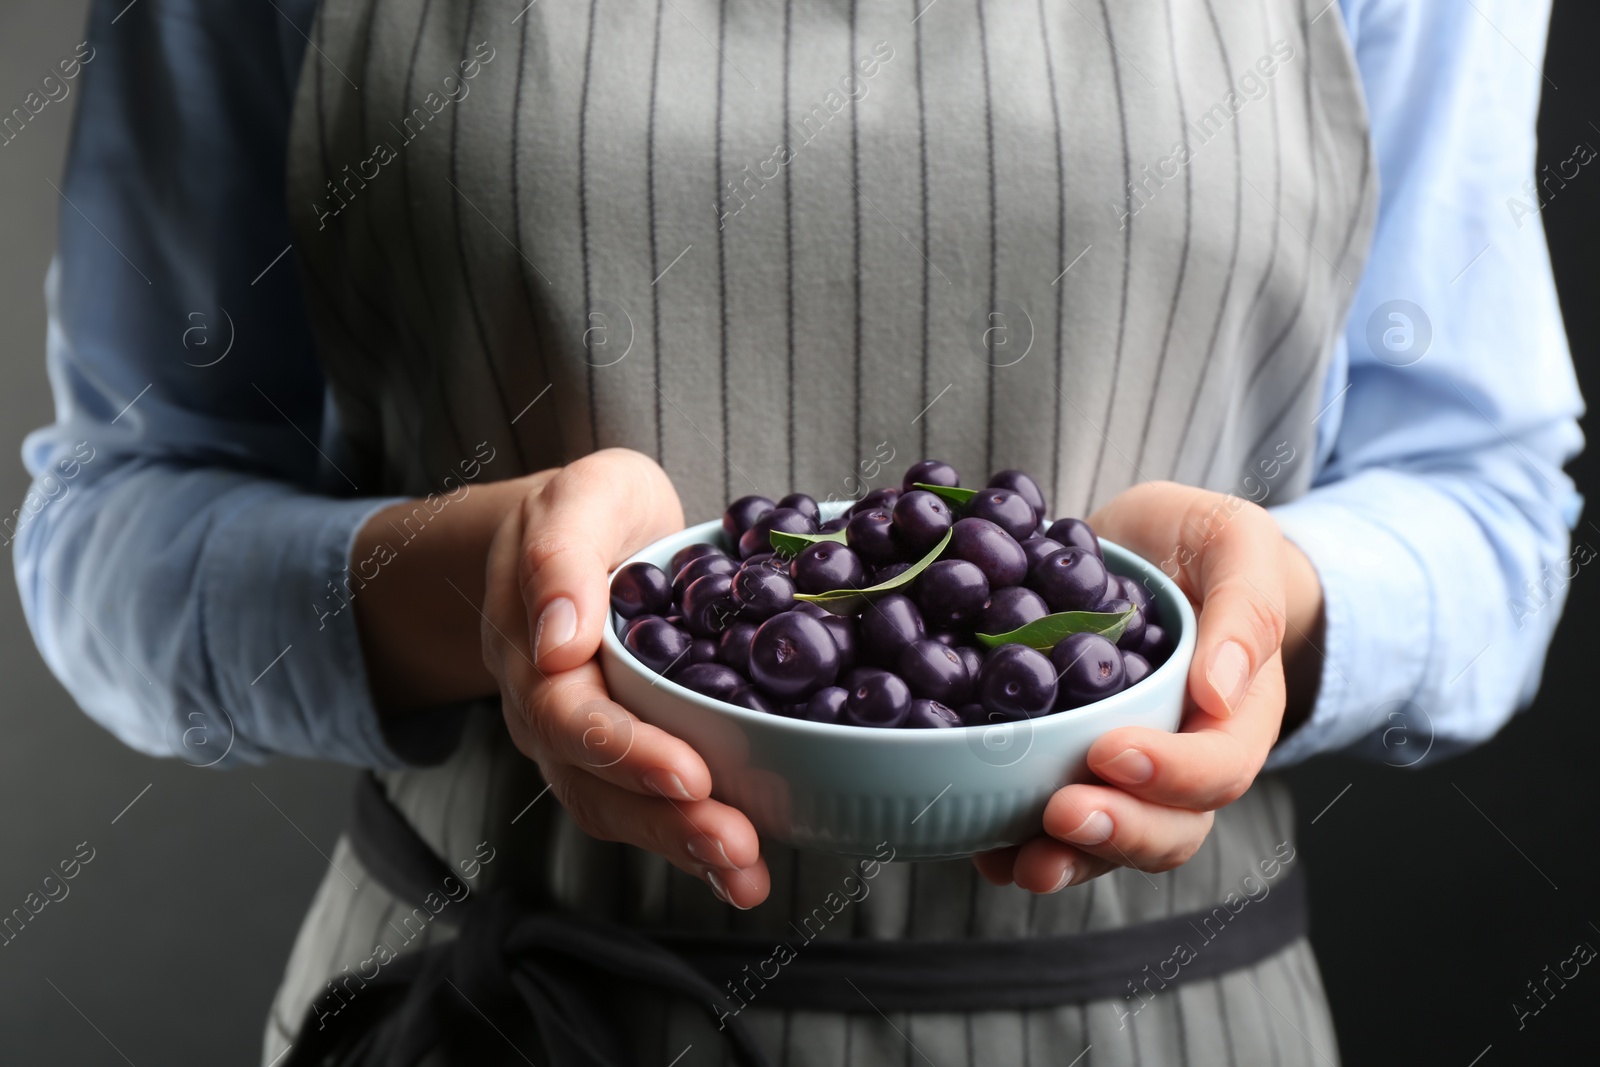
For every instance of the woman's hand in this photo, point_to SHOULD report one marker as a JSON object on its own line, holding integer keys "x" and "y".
{"x": 1259, "y": 605}
{"x": 546, "y": 601}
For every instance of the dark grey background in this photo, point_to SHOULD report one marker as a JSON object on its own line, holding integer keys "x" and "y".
{"x": 1437, "y": 893}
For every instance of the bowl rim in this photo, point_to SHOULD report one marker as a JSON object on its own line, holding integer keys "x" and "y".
{"x": 710, "y": 531}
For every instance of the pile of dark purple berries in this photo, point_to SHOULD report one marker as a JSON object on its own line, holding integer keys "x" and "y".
{"x": 728, "y": 623}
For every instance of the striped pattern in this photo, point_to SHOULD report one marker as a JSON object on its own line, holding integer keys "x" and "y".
{"x": 540, "y": 266}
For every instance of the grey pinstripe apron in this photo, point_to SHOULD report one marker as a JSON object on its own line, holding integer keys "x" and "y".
{"x": 772, "y": 242}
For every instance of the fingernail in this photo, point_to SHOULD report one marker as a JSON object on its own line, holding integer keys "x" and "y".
{"x": 709, "y": 850}
{"x": 558, "y": 624}
{"x": 1066, "y": 876}
{"x": 721, "y": 890}
{"x": 718, "y": 887}
{"x": 1229, "y": 673}
{"x": 668, "y": 785}
{"x": 1130, "y": 768}
{"x": 1095, "y": 829}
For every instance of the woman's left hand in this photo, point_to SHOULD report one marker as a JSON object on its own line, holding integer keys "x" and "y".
{"x": 1257, "y": 599}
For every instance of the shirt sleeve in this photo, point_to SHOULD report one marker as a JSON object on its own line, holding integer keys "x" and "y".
{"x": 1440, "y": 518}
{"x": 182, "y": 552}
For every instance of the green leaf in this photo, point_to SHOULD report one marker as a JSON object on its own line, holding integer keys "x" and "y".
{"x": 1044, "y": 634}
{"x": 956, "y": 495}
{"x": 851, "y": 601}
{"x": 792, "y": 544}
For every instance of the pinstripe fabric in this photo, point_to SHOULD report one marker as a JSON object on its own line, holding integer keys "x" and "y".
{"x": 599, "y": 245}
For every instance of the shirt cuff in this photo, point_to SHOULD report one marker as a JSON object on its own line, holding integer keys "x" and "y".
{"x": 276, "y": 601}
{"x": 1378, "y": 604}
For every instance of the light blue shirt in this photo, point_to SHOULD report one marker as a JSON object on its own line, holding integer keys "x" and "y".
{"x": 187, "y": 510}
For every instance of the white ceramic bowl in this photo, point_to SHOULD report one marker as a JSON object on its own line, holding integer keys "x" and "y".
{"x": 929, "y": 794}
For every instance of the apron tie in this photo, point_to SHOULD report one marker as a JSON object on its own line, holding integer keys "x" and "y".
{"x": 530, "y": 974}
{"x": 543, "y": 977}
{"x": 480, "y": 963}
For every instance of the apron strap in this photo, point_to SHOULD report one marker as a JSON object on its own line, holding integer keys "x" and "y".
{"x": 534, "y": 971}
{"x": 1132, "y": 962}
{"x": 529, "y": 973}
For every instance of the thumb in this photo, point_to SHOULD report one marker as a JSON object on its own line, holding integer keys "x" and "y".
{"x": 588, "y": 518}
{"x": 1227, "y": 555}
{"x": 1241, "y": 618}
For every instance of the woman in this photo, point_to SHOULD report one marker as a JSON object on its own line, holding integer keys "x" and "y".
{"x": 568, "y": 274}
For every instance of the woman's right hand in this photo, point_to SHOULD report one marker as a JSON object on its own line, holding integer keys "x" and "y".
{"x": 546, "y": 602}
